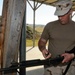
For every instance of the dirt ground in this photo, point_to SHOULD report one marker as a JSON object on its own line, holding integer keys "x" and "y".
{"x": 32, "y": 54}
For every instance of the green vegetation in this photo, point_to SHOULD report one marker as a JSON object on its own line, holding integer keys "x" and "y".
{"x": 30, "y": 42}
{"x": 29, "y": 34}
{"x": 39, "y": 28}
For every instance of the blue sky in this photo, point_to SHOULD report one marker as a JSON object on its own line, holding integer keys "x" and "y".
{"x": 1, "y": 4}
{"x": 44, "y": 14}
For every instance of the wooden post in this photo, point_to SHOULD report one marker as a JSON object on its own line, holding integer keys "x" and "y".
{"x": 2, "y": 27}
{"x": 13, "y": 24}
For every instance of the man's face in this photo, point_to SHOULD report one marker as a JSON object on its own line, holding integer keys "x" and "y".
{"x": 64, "y": 19}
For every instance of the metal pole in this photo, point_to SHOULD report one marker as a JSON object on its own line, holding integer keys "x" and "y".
{"x": 34, "y": 24}
{"x": 35, "y": 7}
{"x": 23, "y": 44}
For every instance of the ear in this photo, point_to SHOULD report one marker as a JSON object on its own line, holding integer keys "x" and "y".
{"x": 71, "y": 11}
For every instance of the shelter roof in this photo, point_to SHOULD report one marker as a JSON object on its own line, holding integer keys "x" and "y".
{"x": 51, "y": 2}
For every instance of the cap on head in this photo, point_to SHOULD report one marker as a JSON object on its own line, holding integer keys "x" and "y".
{"x": 63, "y": 7}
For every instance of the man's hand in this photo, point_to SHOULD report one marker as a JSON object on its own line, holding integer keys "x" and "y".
{"x": 67, "y": 57}
{"x": 42, "y": 47}
{"x": 46, "y": 54}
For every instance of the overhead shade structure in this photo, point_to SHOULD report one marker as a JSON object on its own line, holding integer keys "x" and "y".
{"x": 73, "y": 7}
{"x": 45, "y": 1}
{"x": 51, "y": 2}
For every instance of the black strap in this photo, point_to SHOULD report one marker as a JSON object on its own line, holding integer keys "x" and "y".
{"x": 67, "y": 68}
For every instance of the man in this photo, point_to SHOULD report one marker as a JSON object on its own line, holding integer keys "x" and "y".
{"x": 60, "y": 36}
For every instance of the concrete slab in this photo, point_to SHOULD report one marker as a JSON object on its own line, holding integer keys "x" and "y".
{"x": 32, "y": 54}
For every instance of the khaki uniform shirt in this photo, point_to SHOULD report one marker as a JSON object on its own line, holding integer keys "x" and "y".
{"x": 61, "y": 38}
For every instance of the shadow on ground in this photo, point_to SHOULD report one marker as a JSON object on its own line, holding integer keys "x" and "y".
{"x": 38, "y": 71}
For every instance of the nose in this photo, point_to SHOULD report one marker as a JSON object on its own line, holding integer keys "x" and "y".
{"x": 60, "y": 17}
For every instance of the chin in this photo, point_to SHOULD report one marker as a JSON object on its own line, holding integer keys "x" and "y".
{"x": 63, "y": 23}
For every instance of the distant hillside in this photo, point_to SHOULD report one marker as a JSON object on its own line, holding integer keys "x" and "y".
{"x": 38, "y": 28}
{"x": 29, "y": 33}
{"x": 29, "y": 30}
{"x": 35, "y": 25}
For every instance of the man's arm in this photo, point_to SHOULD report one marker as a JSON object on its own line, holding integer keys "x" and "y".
{"x": 42, "y": 44}
{"x": 42, "y": 48}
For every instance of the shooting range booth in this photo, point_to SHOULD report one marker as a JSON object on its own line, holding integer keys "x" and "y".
{"x": 13, "y": 30}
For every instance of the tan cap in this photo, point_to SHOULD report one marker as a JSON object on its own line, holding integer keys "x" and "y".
{"x": 63, "y": 7}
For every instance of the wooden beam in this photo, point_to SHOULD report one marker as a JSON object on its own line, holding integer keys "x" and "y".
{"x": 14, "y": 18}
{"x": 2, "y": 27}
